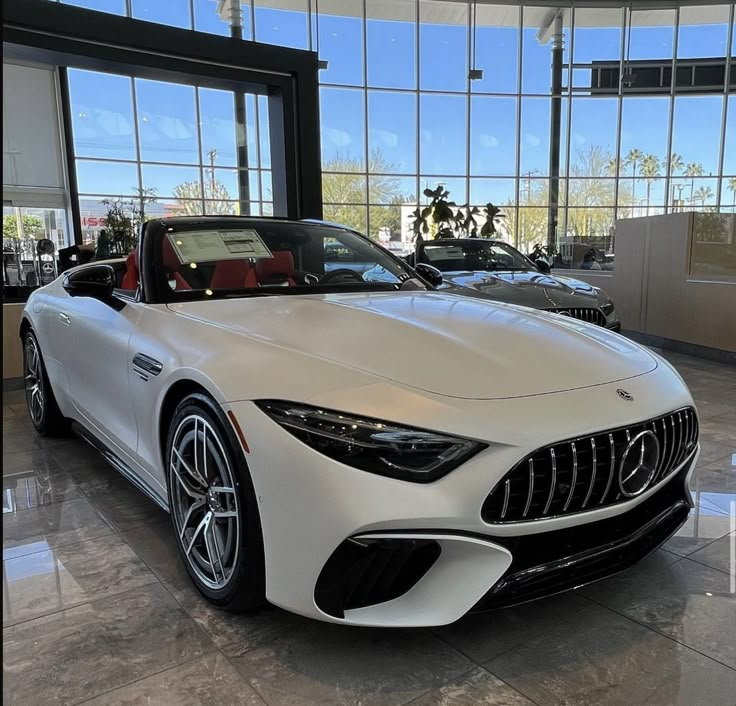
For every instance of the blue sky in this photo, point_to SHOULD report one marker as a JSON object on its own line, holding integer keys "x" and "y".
{"x": 103, "y": 113}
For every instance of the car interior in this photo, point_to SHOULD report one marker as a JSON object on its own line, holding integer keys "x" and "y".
{"x": 299, "y": 258}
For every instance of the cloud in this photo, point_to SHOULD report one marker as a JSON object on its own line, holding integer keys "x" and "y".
{"x": 390, "y": 139}
{"x": 489, "y": 140}
{"x": 426, "y": 136}
{"x": 532, "y": 140}
{"x": 339, "y": 138}
{"x": 578, "y": 139}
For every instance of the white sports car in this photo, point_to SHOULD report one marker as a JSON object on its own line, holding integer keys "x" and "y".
{"x": 362, "y": 452}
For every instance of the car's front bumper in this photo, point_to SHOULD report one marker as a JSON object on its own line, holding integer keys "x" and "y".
{"x": 312, "y": 508}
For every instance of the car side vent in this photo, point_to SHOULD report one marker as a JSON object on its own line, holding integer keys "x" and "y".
{"x": 583, "y": 474}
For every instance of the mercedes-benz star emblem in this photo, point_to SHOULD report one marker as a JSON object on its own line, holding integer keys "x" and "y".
{"x": 625, "y": 395}
{"x": 639, "y": 464}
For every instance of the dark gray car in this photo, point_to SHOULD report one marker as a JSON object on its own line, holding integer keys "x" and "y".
{"x": 477, "y": 267}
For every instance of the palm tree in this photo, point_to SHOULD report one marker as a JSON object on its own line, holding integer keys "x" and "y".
{"x": 676, "y": 163}
{"x": 703, "y": 194}
{"x": 612, "y": 167}
{"x": 732, "y": 188}
{"x": 692, "y": 170}
{"x": 649, "y": 172}
{"x": 633, "y": 159}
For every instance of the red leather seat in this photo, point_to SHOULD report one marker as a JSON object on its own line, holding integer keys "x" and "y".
{"x": 132, "y": 274}
{"x": 276, "y": 270}
{"x": 233, "y": 274}
{"x": 172, "y": 265}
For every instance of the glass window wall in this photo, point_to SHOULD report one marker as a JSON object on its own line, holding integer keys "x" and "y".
{"x": 400, "y": 115}
{"x": 149, "y": 148}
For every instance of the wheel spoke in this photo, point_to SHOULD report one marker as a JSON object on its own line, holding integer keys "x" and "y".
{"x": 200, "y": 450}
{"x": 194, "y": 506}
{"x": 191, "y": 471}
{"x": 213, "y": 548}
{"x": 199, "y": 528}
{"x": 190, "y": 490}
{"x": 222, "y": 489}
{"x": 204, "y": 451}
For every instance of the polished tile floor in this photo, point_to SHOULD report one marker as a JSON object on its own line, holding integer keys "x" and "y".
{"x": 97, "y": 609}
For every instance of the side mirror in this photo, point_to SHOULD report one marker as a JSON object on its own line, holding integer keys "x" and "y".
{"x": 96, "y": 281}
{"x": 543, "y": 266}
{"x": 431, "y": 274}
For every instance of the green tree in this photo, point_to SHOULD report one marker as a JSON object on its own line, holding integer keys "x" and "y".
{"x": 344, "y": 190}
{"x": 650, "y": 173}
{"x": 32, "y": 226}
{"x": 676, "y": 164}
{"x": 633, "y": 160}
{"x": 189, "y": 194}
{"x": 731, "y": 184}
{"x": 703, "y": 194}
{"x": 124, "y": 217}
{"x": 693, "y": 170}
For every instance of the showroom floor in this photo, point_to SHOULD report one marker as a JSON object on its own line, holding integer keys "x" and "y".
{"x": 97, "y": 607}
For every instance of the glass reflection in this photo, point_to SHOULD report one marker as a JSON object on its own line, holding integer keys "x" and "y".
{"x": 391, "y": 39}
{"x": 442, "y": 134}
{"x": 493, "y": 136}
{"x": 102, "y": 115}
{"x": 166, "y": 122}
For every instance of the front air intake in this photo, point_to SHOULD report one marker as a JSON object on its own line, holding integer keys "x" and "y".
{"x": 363, "y": 572}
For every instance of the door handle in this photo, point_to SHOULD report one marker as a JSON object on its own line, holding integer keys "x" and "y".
{"x": 64, "y": 319}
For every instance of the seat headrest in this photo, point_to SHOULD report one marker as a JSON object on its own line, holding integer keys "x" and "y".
{"x": 280, "y": 266}
{"x": 233, "y": 274}
{"x": 169, "y": 256}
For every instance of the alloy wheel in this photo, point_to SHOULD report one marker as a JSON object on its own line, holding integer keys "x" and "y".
{"x": 205, "y": 501}
{"x": 33, "y": 379}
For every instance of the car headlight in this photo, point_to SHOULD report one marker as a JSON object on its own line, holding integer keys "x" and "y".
{"x": 384, "y": 448}
{"x": 608, "y": 307}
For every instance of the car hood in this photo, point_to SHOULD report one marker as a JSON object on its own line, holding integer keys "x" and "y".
{"x": 528, "y": 288}
{"x": 433, "y": 341}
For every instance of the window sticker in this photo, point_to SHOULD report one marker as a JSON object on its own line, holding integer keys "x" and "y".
{"x": 448, "y": 253}
{"x": 214, "y": 245}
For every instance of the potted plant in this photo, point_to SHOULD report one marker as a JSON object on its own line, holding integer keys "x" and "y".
{"x": 124, "y": 218}
{"x": 445, "y": 219}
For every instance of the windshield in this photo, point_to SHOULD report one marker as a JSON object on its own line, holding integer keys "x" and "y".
{"x": 256, "y": 258}
{"x": 473, "y": 255}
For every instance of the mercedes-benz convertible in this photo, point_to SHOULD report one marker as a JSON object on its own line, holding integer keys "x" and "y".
{"x": 358, "y": 450}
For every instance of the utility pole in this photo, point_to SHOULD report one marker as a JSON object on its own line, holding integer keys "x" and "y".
{"x": 212, "y": 154}
{"x": 229, "y": 11}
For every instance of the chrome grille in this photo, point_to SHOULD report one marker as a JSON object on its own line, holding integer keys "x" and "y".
{"x": 582, "y": 474}
{"x": 592, "y": 316}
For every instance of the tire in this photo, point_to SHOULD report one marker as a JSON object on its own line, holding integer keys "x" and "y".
{"x": 223, "y": 554}
{"x": 45, "y": 414}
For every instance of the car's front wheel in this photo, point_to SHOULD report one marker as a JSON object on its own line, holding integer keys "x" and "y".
{"x": 213, "y": 506}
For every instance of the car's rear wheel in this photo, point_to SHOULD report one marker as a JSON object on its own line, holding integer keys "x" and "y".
{"x": 46, "y": 416}
{"x": 213, "y": 506}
